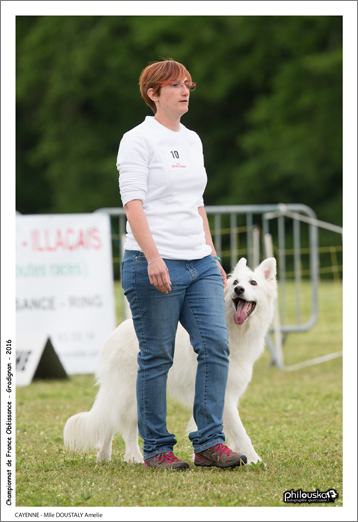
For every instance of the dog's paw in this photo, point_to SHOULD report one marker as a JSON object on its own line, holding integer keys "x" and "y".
{"x": 136, "y": 458}
{"x": 252, "y": 458}
{"x": 101, "y": 456}
{"x": 250, "y": 453}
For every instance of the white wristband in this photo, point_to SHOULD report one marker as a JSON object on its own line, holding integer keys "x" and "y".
{"x": 154, "y": 260}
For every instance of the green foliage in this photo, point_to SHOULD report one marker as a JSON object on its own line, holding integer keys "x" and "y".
{"x": 268, "y": 106}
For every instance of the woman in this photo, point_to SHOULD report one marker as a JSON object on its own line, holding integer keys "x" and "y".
{"x": 170, "y": 271}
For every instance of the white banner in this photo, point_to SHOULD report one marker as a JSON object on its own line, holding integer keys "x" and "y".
{"x": 64, "y": 284}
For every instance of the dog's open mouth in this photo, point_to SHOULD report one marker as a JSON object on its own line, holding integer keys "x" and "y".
{"x": 243, "y": 310}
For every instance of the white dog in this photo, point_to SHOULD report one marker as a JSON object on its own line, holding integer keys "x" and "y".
{"x": 249, "y": 298}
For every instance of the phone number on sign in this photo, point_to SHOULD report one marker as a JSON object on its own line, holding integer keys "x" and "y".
{"x": 65, "y": 337}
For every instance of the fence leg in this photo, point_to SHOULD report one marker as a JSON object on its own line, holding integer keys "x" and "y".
{"x": 277, "y": 348}
{"x": 255, "y": 246}
{"x": 275, "y": 358}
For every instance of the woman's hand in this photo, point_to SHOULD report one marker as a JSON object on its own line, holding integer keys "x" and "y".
{"x": 223, "y": 273}
{"x": 159, "y": 275}
{"x": 157, "y": 269}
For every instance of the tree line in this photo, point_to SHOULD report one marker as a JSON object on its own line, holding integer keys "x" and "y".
{"x": 268, "y": 106}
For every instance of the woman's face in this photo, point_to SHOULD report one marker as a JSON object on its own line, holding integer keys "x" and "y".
{"x": 172, "y": 99}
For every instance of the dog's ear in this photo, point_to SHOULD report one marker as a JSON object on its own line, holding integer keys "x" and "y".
{"x": 241, "y": 263}
{"x": 268, "y": 267}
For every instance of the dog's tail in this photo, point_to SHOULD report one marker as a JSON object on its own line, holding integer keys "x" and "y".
{"x": 84, "y": 430}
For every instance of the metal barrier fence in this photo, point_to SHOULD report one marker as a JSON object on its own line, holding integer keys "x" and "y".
{"x": 259, "y": 220}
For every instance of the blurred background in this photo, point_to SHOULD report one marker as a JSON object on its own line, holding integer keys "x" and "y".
{"x": 268, "y": 106}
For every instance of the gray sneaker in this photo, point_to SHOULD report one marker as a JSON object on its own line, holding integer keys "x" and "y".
{"x": 220, "y": 456}
{"x": 165, "y": 461}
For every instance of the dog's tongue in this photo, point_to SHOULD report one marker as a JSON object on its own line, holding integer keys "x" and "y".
{"x": 241, "y": 312}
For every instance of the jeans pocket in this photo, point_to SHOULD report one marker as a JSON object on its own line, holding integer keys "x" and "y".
{"x": 139, "y": 256}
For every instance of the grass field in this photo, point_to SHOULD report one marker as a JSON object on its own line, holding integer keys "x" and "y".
{"x": 294, "y": 420}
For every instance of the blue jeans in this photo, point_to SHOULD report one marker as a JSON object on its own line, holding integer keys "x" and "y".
{"x": 197, "y": 301}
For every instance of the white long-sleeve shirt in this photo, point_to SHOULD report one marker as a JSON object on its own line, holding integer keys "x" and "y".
{"x": 165, "y": 170}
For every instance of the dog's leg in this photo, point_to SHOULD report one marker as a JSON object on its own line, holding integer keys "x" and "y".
{"x": 105, "y": 450}
{"x": 191, "y": 426}
{"x": 234, "y": 430}
{"x": 130, "y": 437}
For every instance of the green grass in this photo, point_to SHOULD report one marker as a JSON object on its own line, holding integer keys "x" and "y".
{"x": 294, "y": 420}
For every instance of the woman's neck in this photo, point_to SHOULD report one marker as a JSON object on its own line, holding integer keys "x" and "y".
{"x": 172, "y": 124}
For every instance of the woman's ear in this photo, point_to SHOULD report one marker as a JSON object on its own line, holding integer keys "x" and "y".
{"x": 151, "y": 95}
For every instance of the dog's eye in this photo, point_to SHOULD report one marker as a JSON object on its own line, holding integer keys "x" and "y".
{"x": 236, "y": 282}
{"x": 253, "y": 283}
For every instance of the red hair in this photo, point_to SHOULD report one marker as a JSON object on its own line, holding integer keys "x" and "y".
{"x": 157, "y": 73}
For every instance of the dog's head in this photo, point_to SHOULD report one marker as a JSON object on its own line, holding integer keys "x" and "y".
{"x": 248, "y": 290}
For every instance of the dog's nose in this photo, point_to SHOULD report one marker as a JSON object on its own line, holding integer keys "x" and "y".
{"x": 239, "y": 290}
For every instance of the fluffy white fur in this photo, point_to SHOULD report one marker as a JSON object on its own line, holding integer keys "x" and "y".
{"x": 115, "y": 410}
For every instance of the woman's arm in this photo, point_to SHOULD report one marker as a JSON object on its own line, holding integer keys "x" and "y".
{"x": 209, "y": 240}
{"x": 157, "y": 269}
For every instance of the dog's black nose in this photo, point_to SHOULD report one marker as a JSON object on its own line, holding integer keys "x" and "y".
{"x": 239, "y": 290}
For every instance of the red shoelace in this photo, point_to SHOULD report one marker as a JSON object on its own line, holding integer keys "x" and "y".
{"x": 166, "y": 457}
{"x": 221, "y": 448}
